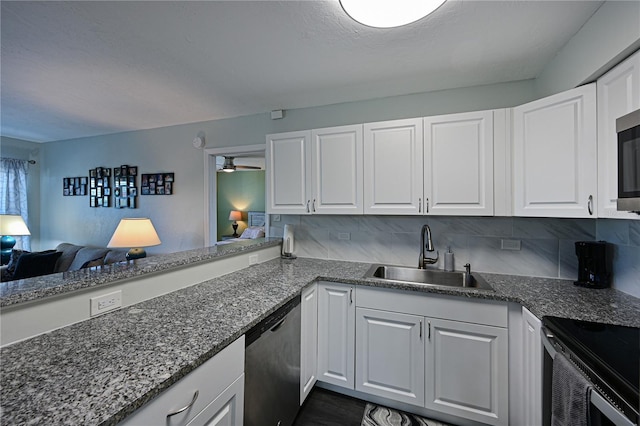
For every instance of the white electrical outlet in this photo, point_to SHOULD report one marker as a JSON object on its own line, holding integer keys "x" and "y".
{"x": 253, "y": 259}
{"x": 106, "y": 302}
{"x": 510, "y": 244}
{"x": 276, "y": 218}
{"x": 344, "y": 236}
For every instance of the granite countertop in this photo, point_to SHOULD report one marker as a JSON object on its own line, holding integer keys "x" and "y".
{"x": 30, "y": 289}
{"x": 103, "y": 369}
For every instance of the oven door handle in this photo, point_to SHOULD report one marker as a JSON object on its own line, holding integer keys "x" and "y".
{"x": 548, "y": 341}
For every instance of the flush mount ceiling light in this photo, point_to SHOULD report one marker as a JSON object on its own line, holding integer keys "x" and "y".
{"x": 389, "y": 13}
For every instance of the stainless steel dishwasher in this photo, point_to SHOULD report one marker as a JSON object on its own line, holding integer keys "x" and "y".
{"x": 272, "y": 368}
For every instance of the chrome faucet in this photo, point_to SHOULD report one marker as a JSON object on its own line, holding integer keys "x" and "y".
{"x": 422, "y": 261}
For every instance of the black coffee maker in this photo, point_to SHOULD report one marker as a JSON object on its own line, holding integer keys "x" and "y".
{"x": 593, "y": 264}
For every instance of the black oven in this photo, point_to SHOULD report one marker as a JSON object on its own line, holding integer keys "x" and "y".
{"x": 628, "y": 129}
{"x": 607, "y": 356}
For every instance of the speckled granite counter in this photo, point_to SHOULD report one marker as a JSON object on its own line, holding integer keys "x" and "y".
{"x": 31, "y": 289}
{"x": 101, "y": 370}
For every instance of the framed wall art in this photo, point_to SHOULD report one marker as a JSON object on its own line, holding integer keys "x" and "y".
{"x": 74, "y": 186}
{"x": 157, "y": 184}
{"x": 100, "y": 187}
{"x": 125, "y": 190}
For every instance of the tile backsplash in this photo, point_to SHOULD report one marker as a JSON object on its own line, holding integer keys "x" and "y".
{"x": 546, "y": 245}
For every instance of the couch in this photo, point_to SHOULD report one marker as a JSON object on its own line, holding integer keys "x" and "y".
{"x": 65, "y": 257}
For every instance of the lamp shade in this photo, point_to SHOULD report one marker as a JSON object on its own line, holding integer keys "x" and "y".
{"x": 13, "y": 224}
{"x": 134, "y": 232}
{"x": 235, "y": 215}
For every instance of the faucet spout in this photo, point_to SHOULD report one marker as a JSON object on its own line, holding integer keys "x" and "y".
{"x": 428, "y": 245}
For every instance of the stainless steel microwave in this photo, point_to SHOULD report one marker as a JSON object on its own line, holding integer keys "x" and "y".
{"x": 628, "y": 129}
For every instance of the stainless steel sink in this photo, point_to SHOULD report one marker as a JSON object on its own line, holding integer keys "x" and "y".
{"x": 427, "y": 277}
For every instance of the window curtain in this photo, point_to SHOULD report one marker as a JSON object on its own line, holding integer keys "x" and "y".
{"x": 13, "y": 194}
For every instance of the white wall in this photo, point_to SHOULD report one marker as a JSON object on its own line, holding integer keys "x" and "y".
{"x": 179, "y": 218}
{"x": 611, "y": 35}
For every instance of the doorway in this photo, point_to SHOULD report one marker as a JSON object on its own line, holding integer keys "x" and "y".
{"x": 212, "y": 164}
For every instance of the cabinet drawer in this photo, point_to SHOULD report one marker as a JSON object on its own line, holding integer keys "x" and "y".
{"x": 210, "y": 380}
{"x": 487, "y": 312}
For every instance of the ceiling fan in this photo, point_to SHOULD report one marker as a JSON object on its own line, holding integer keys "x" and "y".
{"x": 229, "y": 166}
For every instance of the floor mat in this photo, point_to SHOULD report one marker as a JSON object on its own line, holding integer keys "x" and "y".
{"x": 377, "y": 415}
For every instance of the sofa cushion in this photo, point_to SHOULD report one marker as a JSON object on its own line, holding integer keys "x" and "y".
{"x": 10, "y": 270}
{"x": 87, "y": 254}
{"x": 115, "y": 256}
{"x": 36, "y": 264}
{"x": 69, "y": 252}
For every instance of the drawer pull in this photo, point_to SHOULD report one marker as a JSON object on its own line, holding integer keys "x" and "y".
{"x": 193, "y": 401}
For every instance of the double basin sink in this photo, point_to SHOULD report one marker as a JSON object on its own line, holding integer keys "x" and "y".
{"x": 427, "y": 277}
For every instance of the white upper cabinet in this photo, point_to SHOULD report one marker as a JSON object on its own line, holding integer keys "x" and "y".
{"x": 337, "y": 170}
{"x": 393, "y": 167}
{"x": 288, "y": 174}
{"x": 458, "y": 164}
{"x": 554, "y": 155}
{"x": 317, "y": 171}
{"x": 618, "y": 94}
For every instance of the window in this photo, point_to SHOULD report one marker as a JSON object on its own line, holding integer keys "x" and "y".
{"x": 13, "y": 193}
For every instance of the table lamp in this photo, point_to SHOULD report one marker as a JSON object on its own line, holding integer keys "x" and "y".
{"x": 10, "y": 225}
{"x": 235, "y": 215}
{"x": 135, "y": 233}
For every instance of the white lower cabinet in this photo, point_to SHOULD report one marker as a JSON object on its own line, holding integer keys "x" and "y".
{"x": 212, "y": 394}
{"x": 226, "y": 409}
{"x": 466, "y": 370}
{"x": 308, "y": 340}
{"x": 390, "y": 355}
{"x": 336, "y": 334}
{"x": 442, "y": 354}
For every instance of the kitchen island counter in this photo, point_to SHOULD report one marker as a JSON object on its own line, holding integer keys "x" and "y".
{"x": 101, "y": 370}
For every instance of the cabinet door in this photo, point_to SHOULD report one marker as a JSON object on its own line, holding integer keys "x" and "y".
{"x": 226, "y": 409}
{"x": 467, "y": 371}
{"x": 336, "y": 334}
{"x": 618, "y": 94}
{"x": 532, "y": 369}
{"x": 308, "y": 341}
{"x": 458, "y": 164}
{"x": 390, "y": 355}
{"x": 393, "y": 167}
{"x": 288, "y": 173}
{"x": 554, "y": 155}
{"x": 204, "y": 389}
{"x": 337, "y": 170}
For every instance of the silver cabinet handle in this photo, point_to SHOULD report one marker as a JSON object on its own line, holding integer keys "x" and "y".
{"x": 419, "y": 205}
{"x": 426, "y": 205}
{"x": 351, "y": 296}
{"x": 185, "y": 408}
{"x": 590, "y": 205}
{"x": 308, "y": 206}
{"x": 314, "y": 205}
{"x": 420, "y": 329}
{"x": 429, "y": 336}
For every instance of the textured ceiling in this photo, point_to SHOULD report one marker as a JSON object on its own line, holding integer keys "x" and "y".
{"x": 82, "y": 68}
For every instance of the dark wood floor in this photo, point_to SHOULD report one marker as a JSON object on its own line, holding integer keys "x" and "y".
{"x": 326, "y": 408}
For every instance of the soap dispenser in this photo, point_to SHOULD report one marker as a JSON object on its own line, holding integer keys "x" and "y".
{"x": 448, "y": 260}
